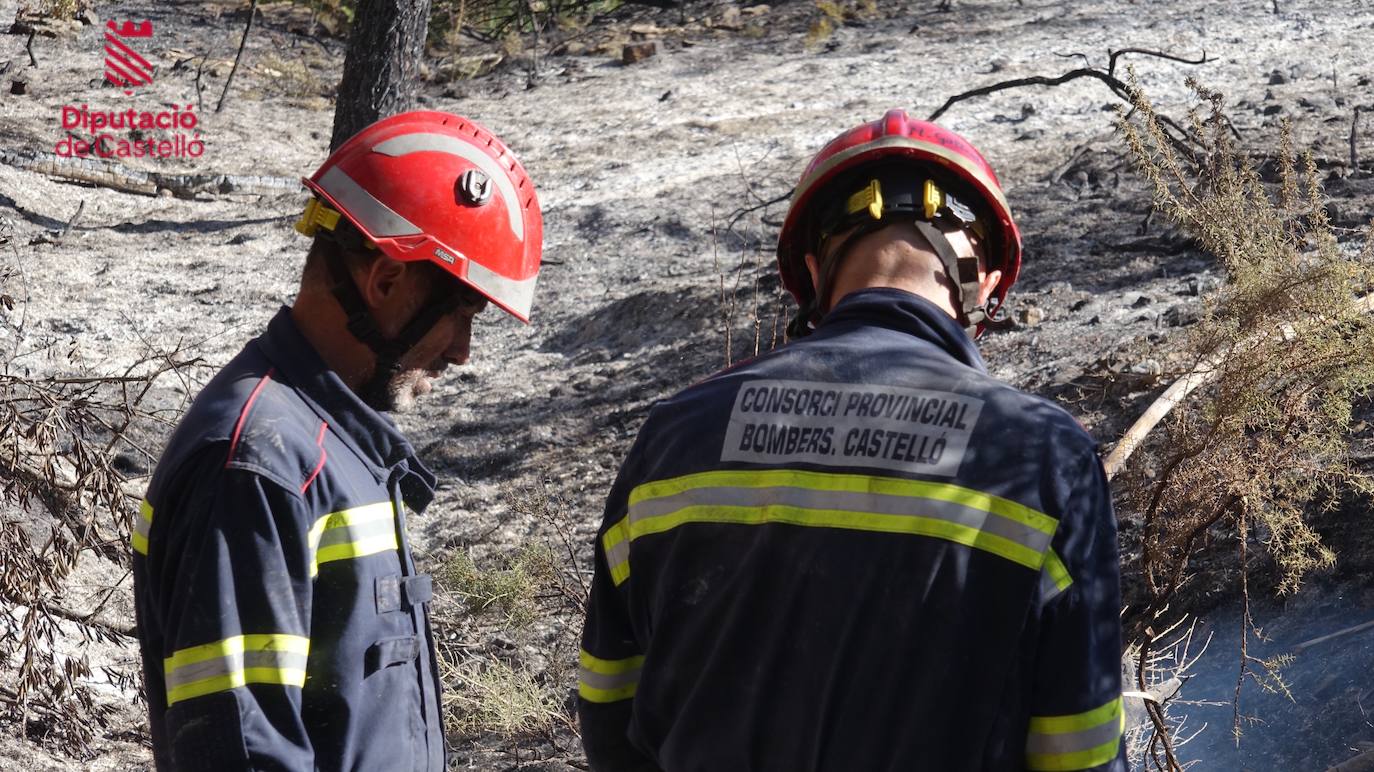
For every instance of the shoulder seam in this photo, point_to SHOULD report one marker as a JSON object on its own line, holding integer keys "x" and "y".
{"x": 243, "y": 415}
{"x": 324, "y": 455}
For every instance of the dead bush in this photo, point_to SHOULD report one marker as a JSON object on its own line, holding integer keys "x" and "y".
{"x": 66, "y": 496}
{"x": 833, "y": 14}
{"x": 55, "y": 9}
{"x": 1284, "y": 349}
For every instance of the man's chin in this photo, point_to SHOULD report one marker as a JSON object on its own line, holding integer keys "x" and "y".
{"x": 406, "y": 389}
{"x": 400, "y": 393}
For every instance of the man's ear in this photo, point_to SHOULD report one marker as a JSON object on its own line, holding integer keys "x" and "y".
{"x": 380, "y": 280}
{"x": 986, "y": 285}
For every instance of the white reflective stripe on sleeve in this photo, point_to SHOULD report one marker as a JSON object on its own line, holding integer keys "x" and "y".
{"x": 517, "y": 295}
{"x": 377, "y": 219}
{"x": 421, "y": 141}
{"x": 608, "y": 680}
{"x": 240, "y": 660}
{"x": 1075, "y": 741}
{"x": 1054, "y": 577}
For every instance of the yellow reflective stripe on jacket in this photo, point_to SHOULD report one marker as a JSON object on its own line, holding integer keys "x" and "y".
{"x": 616, "y": 543}
{"x": 1077, "y": 741}
{"x": 142, "y": 525}
{"x": 1055, "y": 578}
{"x": 233, "y": 662}
{"x": 849, "y": 501}
{"x": 353, "y": 533}
{"x": 607, "y": 680}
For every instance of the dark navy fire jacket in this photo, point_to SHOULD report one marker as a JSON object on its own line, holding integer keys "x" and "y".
{"x": 857, "y": 552}
{"x": 282, "y": 623}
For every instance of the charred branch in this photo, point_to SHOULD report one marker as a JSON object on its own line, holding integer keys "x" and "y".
{"x": 243, "y": 42}
{"x": 1181, "y": 138}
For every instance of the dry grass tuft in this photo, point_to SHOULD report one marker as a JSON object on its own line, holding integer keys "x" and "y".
{"x": 507, "y": 630}
{"x": 493, "y": 696}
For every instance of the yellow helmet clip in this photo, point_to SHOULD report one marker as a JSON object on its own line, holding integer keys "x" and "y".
{"x": 316, "y": 215}
{"x": 870, "y": 198}
{"x": 934, "y": 198}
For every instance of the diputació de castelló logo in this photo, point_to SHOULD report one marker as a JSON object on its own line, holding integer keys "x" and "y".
{"x": 161, "y": 133}
{"x": 124, "y": 66}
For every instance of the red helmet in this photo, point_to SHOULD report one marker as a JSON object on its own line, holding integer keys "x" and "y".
{"x": 435, "y": 186}
{"x": 896, "y": 137}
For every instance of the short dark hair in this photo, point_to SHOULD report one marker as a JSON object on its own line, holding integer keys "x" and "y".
{"x": 345, "y": 242}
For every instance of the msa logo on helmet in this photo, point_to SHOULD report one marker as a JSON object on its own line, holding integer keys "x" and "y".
{"x": 446, "y": 257}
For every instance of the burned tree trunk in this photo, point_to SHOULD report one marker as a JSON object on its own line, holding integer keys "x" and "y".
{"x": 382, "y": 68}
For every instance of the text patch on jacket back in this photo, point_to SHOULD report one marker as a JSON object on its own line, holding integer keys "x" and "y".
{"x": 850, "y": 424}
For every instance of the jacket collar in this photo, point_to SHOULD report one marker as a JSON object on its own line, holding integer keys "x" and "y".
{"x": 907, "y": 312}
{"x": 372, "y": 436}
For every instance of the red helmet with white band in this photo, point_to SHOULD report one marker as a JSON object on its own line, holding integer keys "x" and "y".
{"x": 897, "y": 140}
{"x": 434, "y": 186}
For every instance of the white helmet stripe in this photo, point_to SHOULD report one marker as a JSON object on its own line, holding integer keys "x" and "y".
{"x": 377, "y": 218}
{"x": 418, "y": 142}
{"x": 516, "y": 296}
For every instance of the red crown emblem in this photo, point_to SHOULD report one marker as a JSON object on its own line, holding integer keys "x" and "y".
{"x": 124, "y": 67}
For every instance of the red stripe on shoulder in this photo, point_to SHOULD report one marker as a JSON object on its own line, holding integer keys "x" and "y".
{"x": 323, "y": 455}
{"x": 243, "y": 415}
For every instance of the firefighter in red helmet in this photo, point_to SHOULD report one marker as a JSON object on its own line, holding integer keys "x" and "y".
{"x": 935, "y": 181}
{"x": 282, "y": 622}
{"x": 859, "y": 551}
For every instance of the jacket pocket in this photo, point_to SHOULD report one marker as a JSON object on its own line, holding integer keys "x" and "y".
{"x": 388, "y": 652}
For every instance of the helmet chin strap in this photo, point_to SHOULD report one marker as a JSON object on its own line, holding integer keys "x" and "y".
{"x": 361, "y": 325}
{"x": 963, "y": 271}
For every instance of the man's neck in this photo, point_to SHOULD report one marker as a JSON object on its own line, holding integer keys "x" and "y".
{"x": 324, "y": 325}
{"x": 898, "y": 265}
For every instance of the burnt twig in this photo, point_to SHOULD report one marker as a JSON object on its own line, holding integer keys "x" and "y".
{"x": 534, "y": 52}
{"x": 1354, "y": 141}
{"x": 1113, "y": 56}
{"x": 742, "y": 211}
{"x": 1155, "y": 712}
{"x": 81, "y": 207}
{"x": 200, "y": 90}
{"x": 1117, "y": 87}
{"x": 252, "y": 11}
{"x": 1074, "y": 158}
{"x": 87, "y": 620}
